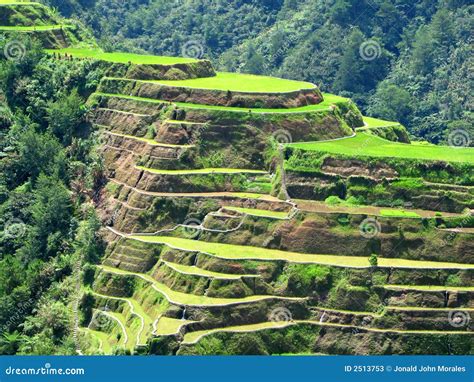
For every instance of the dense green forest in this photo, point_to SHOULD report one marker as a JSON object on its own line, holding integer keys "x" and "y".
{"x": 418, "y": 53}
{"x": 48, "y": 172}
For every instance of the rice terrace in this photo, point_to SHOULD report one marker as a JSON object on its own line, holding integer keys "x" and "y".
{"x": 238, "y": 214}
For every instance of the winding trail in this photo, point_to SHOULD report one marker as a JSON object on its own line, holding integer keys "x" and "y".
{"x": 194, "y": 337}
{"x": 185, "y": 299}
{"x": 132, "y": 310}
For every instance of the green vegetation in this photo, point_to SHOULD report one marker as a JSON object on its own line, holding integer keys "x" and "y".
{"x": 149, "y": 141}
{"x": 236, "y": 82}
{"x": 121, "y": 58}
{"x": 192, "y": 337}
{"x": 25, "y": 2}
{"x": 399, "y": 213}
{"x": 190, "y": 299}
{"x": 404, "y": 80}
{"x": 229, "y": 251}
{"x": 195, "y": 271}
{"x": 368, "y": 145}
{"x": 323, "y": 106}
{"x": 320, "y": 274}
{"x": 201, "y": 171}
{"x": 168, "y": 326}
{"x": 32, "y": 28}
{"x": 260, "y": 213}
{"x": 374, "y": 122}
{"x": 431, "y": 288}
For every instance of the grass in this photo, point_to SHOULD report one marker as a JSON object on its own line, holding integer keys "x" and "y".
{"x": 147, "y": 140}
{"x": 9, "y": 2}
{"x": 372, "y": 146}
{"x": 169, "y": 326}
{"x": 430, "y": 288}
{"x": 260, "y": 213}
{"x": 180, "y": 298}
{"x": 201, "y": 171}
{"x": 119, "y": 318}
{"x": 236, "y": 82}
{"x": 374, "y": 122}
{"x": 421, "y": 309}
{"x": 193, "y": 337}
{"x": 137, "y": 311}
{"x": 122, "y": 58}
{"x": 329, "y": 99}
{"x": 32, "y": 28}
{"x": 241, "y": 252}
{"x": 102, "y": 338}
{"x": 399, "y": 214}
{"x": 248, "y": 195}
{"x": 195, "y": 271}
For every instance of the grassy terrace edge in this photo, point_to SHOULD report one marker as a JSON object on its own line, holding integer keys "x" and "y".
{"x": 329, "y": 99}
{"x": 240, "y": 252}
{"x": 238, "y": 82}
{"x": 367, "y": 145}
{"x": 122, "y": 58}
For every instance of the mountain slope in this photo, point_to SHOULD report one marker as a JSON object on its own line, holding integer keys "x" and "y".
{"x": 414, "y": 48}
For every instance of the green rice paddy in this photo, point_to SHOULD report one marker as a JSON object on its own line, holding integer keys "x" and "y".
{"x": 181, "y": 298}
{"x": 372, "y": 146}
{"x": 203, "y": 171}
{"x": 237, "y": 82}
{"x": 32, "y": 28}
{"x": 260, "y": 213}
{"x": 329, "y": 99}
{"x": 169, "y": 326}
{"x": 431, "y": 288}
{"x": 374, "y": 122}
{"x": 147, "y": 140}
{"x": 241, "y": 252}
{"x": 122, "y": 58}
{"x": 399, "y": 214}
{"x": 195, "y": 271}
{"x": 9, "y": 2}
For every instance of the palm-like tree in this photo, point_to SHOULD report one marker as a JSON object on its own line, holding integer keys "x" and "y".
{"x": 10, "y": 342}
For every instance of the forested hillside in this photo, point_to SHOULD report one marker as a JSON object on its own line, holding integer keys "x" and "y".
{"x": 403, "y": 60}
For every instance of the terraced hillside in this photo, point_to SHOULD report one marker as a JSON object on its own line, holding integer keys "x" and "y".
{"x": 254, "y": 215}
{"x": 40, "y": 22}
{"x": 210, "y": 235}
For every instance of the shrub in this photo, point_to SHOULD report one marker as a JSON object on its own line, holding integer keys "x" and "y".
{"x": 374, "y": 260}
